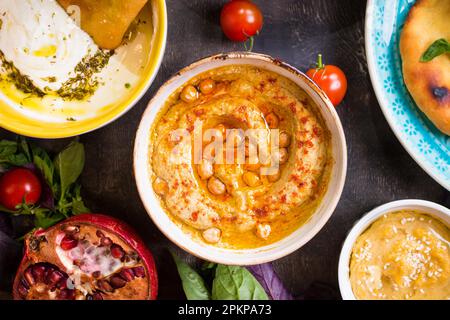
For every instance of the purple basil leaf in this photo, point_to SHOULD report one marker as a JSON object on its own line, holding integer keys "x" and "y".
{"x": 269, "y": 280}
{"x": 31, "y": 166}
{"x": 47, "y": 200}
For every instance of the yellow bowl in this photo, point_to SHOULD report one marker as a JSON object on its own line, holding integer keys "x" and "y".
{"x": 11, "y": 117}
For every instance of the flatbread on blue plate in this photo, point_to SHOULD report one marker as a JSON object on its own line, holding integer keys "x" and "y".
{"x": 428, "y": 82}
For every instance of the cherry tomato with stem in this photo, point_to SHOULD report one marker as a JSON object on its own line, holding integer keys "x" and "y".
{"x": 241, "y": 20}
{"x": 330, "y": 79}
{"x": 19, "y": 186}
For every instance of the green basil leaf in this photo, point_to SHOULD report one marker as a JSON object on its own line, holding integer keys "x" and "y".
{"x": 25, "y": 148}
{"x": 43, "y": 162}
{"x": 46, "y": 167}
{"x": 193, "y": 285}
{"x": 9, "y": 155}
{"x": 69, "y": 164}
{"x": 7, "y": 148}
{"x": 16, "y": 160}
{"x": 78, "y": 205}
{"x": 438, "y": 48}
{"x": 44, "y": 219}
{"x": 236, "y": 283}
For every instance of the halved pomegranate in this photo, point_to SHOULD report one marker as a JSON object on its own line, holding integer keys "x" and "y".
{"x": 86, "y": 257}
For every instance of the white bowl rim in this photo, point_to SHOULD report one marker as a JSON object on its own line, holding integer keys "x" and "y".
{"x": 362, "y": 224}
{"x": 207, "y": 252}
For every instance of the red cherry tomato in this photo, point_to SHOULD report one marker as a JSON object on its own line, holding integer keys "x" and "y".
{"x": 330, "y": 79}
{"x": 241, "y": 20}
{"x": 19, "y": 185}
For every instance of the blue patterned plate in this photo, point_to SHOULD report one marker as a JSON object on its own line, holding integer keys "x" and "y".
{"x": 425, "y": 143}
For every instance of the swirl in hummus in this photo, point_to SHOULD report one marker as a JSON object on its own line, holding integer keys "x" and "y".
{"x": 240, "y": 205}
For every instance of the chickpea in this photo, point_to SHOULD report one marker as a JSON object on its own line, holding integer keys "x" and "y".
{"x": 160, "y": 186}
{"x": 284, "y": 139}
{"x": 263, "y": 231}
{"x": 272, "y": 120}
{"x": 274, "y": 177}
{"x": 282, "y": 155}
{"x": 216, "y": 187}
{"x": 205, "y": 169}
{"x": 251, "y": 179}
{"x": 207, "y": 86}
{"x": 189, "y": 94}
{"x": 212, "y": 235}
{"x": 252, "y": 167}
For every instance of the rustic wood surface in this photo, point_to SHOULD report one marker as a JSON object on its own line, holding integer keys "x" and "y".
{"x": 379, "y": 169}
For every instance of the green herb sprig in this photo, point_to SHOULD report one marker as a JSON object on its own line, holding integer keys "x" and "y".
{"x": 229, "y": 283}
{"x": 439, "y": 47}
{"x": 60, "y": 175}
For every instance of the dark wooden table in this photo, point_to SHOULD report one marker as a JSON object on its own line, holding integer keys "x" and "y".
{"x": 379, "y": 169}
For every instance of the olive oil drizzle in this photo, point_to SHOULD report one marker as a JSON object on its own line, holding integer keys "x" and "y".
{"x": 84, "y": 83}
{"x": 23, "y": 83}
{"x": 79, "y": 87}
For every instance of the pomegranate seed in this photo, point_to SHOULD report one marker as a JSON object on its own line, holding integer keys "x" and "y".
{"x": 54, "y": 277}
{"x": 105, "y": 241}
{"x": 127, "y": 274}
{"x": 97, "y": 296}
{"x": 68, "y": 242}
{"x": 105, "y": 286}
{"x": 62, "y": 284}
{"x": 49, "y": 270}
{"x": 39, "y": 272}
{"x": 100, "y": 234}
{"x": 117, "y": 251}
{"x": 66, "y": 294}
{"x": 117, "y": 282}
{"x": 139, "y": 272}
{"x": 28, "y": 275}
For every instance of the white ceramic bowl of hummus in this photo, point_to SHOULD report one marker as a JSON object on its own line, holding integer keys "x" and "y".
{"x": 436, "y": 211}
{"x": 221, "y": 254}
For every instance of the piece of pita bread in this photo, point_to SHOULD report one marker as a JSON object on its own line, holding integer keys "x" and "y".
{"x": 106, "y": 21}
{"x": 428, "y": 82}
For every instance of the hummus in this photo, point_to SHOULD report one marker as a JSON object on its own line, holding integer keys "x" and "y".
{"x": 403, "y": 255}
{"x": 239, "y": 204}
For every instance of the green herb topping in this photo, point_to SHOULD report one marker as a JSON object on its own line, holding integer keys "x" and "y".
{"x": 438, "y": 48}
{"x": 79, "y": 87}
